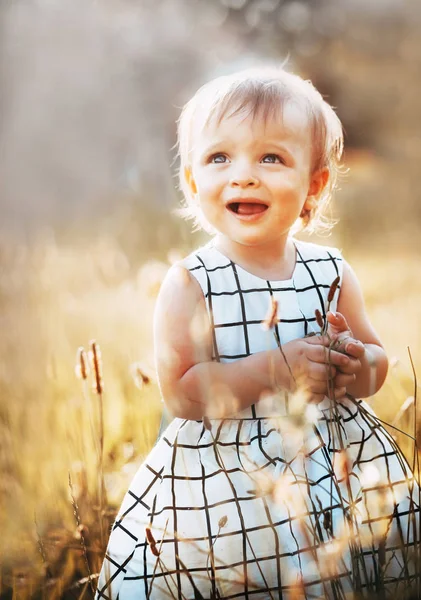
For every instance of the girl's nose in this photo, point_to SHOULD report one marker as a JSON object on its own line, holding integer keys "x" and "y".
{"x": 243, "y": 178}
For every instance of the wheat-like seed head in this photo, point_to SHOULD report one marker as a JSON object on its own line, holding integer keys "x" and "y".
{"x": 96, "y": 362}
{"x": 222, "y": 521}
{"x": 140, "y": 375}
{"x": 151, "y": 541}
{"x": 333, "y": 289}
{"x": 82, "y": 365}
{"x": 271, "y": 318}
{"x": 319, "y": 318}
{"x": 342, "y": 466}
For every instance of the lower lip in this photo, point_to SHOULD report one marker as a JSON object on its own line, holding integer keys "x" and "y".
{"x": 248, "y": 218}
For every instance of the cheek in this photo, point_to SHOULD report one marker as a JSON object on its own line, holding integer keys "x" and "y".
{"x": 205, "y": 187}
{"x": 287, "y": 188}
{"x": 211, "y": 212}
{"x": 209, "y": 181}
{"x": 293, "y": 186}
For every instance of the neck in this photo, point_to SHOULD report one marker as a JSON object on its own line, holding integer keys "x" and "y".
{"x": 274, "y": 260}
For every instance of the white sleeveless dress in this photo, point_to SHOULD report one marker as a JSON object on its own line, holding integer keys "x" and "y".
{"x": 267, "y": 504}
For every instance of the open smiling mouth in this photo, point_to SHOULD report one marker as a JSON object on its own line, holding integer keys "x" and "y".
{"x": 247, "y": 208}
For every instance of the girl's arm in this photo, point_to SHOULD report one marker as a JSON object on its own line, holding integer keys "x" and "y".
{"x": 362, "y": 341}
{"x": 192, "y": 385}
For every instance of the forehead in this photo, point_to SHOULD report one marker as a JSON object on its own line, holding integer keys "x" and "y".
{"x": 290, "y": 123}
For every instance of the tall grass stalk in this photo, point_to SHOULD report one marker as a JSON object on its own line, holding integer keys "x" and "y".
{"x": 416, "y": 469}
{"x": 82, "y": 537}
{"x": 98, "y": 387}
{"x": 66, "y": 288}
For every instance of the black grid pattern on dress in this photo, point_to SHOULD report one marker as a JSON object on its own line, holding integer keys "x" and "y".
{"x": 218, "y": 528}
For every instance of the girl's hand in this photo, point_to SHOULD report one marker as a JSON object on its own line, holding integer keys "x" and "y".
{"x": 339, "y": 330}
{"x": 314, "y": 367}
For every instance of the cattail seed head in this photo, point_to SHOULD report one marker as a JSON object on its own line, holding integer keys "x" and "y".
{"x": 327, "y": 521}
{"x": 222, "y": 521}
{"x": 342, "y": 466}
{"x": 149, "y": 535}
{"x": 96, "y": 362}
{"x": 271, "y": 318}
{"x": 140, "y": 374}
{"x": 82, "y": 365}
{"x": 151, "y": 541}
{"x": 319, "y": 318}
{"x": 333, "y": 289}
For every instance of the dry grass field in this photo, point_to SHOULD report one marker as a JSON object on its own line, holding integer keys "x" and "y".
{"x": 55, "y": 298}
{"x": 90, "y": 92}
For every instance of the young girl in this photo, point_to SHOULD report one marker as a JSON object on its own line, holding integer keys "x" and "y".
{"x": 274, "y": 480}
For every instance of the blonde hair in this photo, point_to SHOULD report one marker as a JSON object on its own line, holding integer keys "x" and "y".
{"x": 263, "y": 92}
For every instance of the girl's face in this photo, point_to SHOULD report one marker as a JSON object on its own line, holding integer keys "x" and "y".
{"x": 253, "y": 179}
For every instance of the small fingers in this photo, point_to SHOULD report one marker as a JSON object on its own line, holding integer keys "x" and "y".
{"x": 355, "y": 348}
{"x": 338, "y": 321}
{"x": 322, "y": 372}
{"x": 349, "y": 345}
{"x": 353, "y": 366}
{"x": 316, "y": 398}
{"x": 313, "y": 386}
{"x": 338, "y": 392}
{"x": 324, "y": 355}
{"x": 344, "y": 379}
{"x": 318, "y": 340}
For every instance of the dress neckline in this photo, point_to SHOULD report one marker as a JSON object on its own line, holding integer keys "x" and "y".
{"x": 273, "y": 281}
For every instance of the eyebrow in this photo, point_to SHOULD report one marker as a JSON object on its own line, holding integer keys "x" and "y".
{"x": 276, "y": 144}
{"x": 219, "y": 143}
{"x": 214, "y": 146}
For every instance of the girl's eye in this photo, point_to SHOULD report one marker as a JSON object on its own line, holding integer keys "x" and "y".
{"x": 218, "y": 158}
{"x": 272, "y": 158}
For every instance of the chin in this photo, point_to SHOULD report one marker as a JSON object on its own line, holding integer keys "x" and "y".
{"x": 251, "y": 241}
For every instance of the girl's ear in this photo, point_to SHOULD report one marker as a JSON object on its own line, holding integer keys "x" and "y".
{"x": 188, "y": 176}
{"x": 318, "y": 182}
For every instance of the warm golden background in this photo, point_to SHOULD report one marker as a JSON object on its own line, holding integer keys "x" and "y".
{"x": 90, "y": 95}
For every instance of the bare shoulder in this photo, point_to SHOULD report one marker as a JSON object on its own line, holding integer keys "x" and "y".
{"x": 179, "y": 290}
{"x": 181, "y": 328}
{"x": 351, "y": 304}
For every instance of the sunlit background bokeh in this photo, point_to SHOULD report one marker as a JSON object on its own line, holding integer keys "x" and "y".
{"x": 90, "y": 93}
